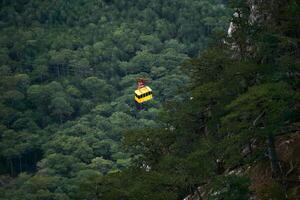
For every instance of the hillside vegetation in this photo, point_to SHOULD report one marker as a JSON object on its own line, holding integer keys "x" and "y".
{"x": 224, "y": 122}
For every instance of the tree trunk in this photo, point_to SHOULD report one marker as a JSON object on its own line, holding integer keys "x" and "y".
{"x": 220, "y": 166}
{"x": 58, "y": 70}
{"x": 20, "y": 163}
{"x": 199, "y": 194}
{"x": 273, "y": 156}
{"x": 34, "y": 160}
{"x": 97, "y": 193}
{"x": 25, "y": 162}
{"x": 60, "y": 118}
{"x": 11, "y": 167}
{"x": 67, "y": 70}
{"x": 250, "y": 147}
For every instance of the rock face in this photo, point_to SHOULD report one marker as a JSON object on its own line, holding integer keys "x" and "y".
{"x": 253, "y": 9}
{"x": 197, "y": 195}
{"x": 255, "y": 15}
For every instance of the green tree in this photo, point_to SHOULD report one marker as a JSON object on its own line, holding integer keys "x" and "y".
{"x": 60, "y": 108}
{"x": 101, "y": 164}
{"x": 96, "y": 88}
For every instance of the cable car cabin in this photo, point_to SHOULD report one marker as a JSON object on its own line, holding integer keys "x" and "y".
{"x": 143, "y": 94}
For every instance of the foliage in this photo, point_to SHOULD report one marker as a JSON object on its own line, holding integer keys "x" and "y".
{"x": 68, "y": 72}
{"x": 67, "y": 114}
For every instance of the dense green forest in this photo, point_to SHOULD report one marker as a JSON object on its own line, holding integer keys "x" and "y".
{"x": 69, "y": 127}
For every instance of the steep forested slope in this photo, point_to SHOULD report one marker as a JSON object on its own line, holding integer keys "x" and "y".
{"x": 68, "y": 71}
{"x": 236, "y": 136}
{"x": 223, "y": 125}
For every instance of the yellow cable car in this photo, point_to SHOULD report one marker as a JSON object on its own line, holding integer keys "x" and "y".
{"x": 142, "y": 93}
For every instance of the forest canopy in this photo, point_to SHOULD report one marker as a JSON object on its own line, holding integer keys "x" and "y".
{"x": 69, "y": 126}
